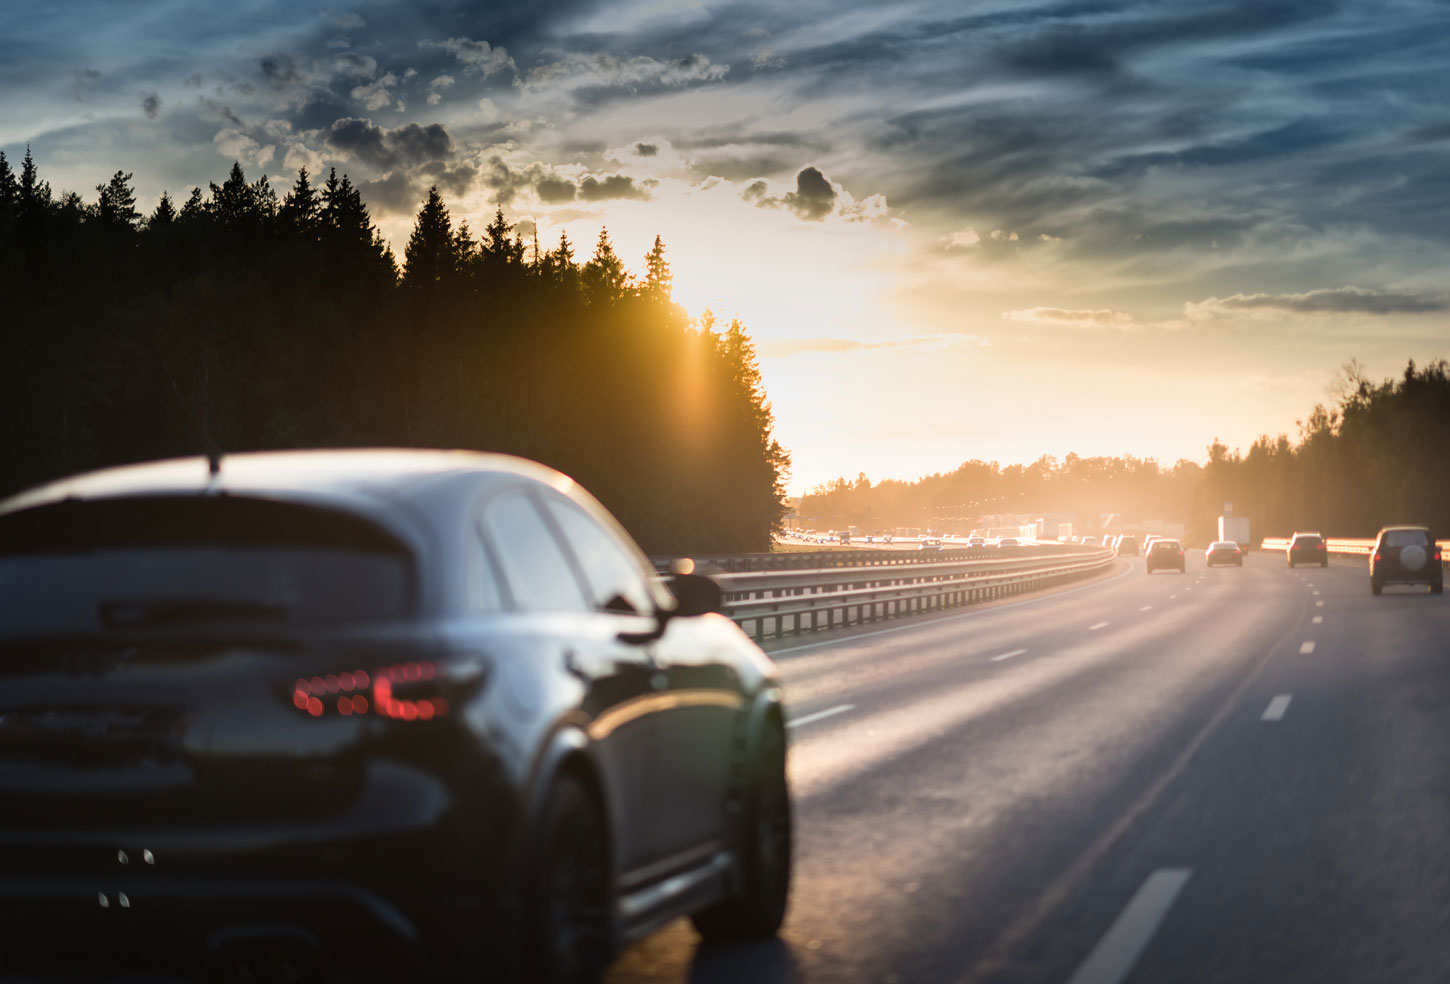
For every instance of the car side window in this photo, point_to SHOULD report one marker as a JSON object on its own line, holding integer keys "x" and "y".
{"x": 615, "y": 578}
{"x": 483, "y": 587}
{"x": 539, "y": 575}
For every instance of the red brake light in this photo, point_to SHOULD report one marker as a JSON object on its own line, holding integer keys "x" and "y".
{"x": 347, "y": 693}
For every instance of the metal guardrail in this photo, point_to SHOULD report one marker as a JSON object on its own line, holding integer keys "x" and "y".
{"x": 822, "y": 559}
{"x": 1361, "y": 548}
{"x": 777, "y": 603}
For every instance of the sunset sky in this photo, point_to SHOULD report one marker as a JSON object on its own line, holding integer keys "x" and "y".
{"x": 955, "y": 230}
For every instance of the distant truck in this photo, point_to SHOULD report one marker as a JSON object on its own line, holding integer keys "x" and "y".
{"x": 845, "y": 536}
{"x": 1235, "y": 528}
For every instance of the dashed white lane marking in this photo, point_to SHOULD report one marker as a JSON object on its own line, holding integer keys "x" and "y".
{"x": 1146, "y": 608}
{"x": 1318, "y": 619}
{"x": 1277, "y": 707}
{"x": 1171, "y": 597}
{"x": 828, "y": 712}
{"x": 1319, "y": 604}
{"x": 1015, "y": 652}
{"x": 1316, "y": 592}
{"x": 1100, "y": 625}
{"x": 1306, "y": 647}
{"x": 1113, "y": 958}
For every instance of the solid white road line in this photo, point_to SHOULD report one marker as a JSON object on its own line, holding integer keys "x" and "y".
{"x": 1318, "y": 619}
{"x": 1015, "y": 652}
{"x": 1146, "y": 608}
{"x": 1307, "y": 647}
{"x": 1100, "y": 625}
{"x": 1113, "y": 958}
{"x": 829, "y": 712}
{"x": 1277, "y": 707}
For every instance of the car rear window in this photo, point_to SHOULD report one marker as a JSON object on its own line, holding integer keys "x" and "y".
{"x": 1308, "y": 540}
{"x": 89, "y": 567}
{"x": 1406, "y": 538}
{"x": 1165, "y": 545}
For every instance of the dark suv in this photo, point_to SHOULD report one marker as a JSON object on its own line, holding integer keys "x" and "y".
{"x": 368, "y": 714}
{"x": 1406, "y": 555}
{"x": 1165, "y": 555}
{"x": 1307, "y": 548}
{"x": 1127, "y": 545}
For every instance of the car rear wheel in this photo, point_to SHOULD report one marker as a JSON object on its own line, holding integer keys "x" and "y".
{"x": 1375, "y": 587}
{"x": 759, "y": 909}
{"x": 1438, "y": 587}
{"x": 566, "y": 928}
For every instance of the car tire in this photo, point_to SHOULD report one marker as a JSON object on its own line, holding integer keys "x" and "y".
{"x": 759, "y": 909}
{"x": 1375, "y": 587}
{"x": 566, "y": 924}
{"x": 1438, "y": 587}
{"x": 1324, "y": 563}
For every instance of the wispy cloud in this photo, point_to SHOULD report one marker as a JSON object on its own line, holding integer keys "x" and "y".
{"x": 1328, "y": 301}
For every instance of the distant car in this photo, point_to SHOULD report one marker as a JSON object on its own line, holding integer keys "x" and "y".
{"x": 1223, "y": 553}
{"x": 1148, "y": 541}
{"x": 1164, "y": 555}
{"x": 1089, "y": 541}
{"x": 887, "y": 538}
{"x": 1406, "y": 555}
{"x": 1127, "y": 545}
{"x": 1008, "y": 541}
{"x": 930, "y": 543}
{"x": 353, "y": 715}
{"x": 976, "y": 541}
{"x": 1307, "y": 548}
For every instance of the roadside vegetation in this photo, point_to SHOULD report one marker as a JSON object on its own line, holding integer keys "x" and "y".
{"x": 1379, "y": 454}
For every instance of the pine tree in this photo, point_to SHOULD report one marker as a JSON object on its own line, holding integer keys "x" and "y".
{"x": 604, "y": 275}
{"x": 301, "y": 211}
{"x": 9, "y": 187}
{"x": 657, "y": 277}
{"x": 165, "y": 215}
{"x": 116, "y": 204}
{"x": 428, "y": 258}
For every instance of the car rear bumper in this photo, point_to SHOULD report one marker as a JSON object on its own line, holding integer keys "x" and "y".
{"x": 202, "y": 929}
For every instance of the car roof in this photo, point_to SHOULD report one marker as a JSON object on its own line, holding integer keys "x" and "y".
{"x": 377, "y": 474}
{"x": 1406, "y": 526}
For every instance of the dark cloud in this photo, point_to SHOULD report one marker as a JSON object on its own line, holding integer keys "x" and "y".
{"x": 1291, "y": 138}
{"x": 814, "y": 197}
{"x": 282, "y": 71}
{"x": 408, "y": 145}
{"x": 554, "y": 191}
{"x": 397, "y": 193}
{"x": 192, "y": 81}
{"x": 457, "y": 179}
{"x": 612, "y": 186}
{"x": 646, "y": 150}
{"x": 150, "y": 105}
{"x": 743, "y": 168}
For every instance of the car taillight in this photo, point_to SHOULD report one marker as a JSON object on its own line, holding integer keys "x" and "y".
{"x": 401, "y": 691}
{"x": 1376, "y": 555}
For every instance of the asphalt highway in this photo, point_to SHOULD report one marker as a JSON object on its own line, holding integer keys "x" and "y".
{"x": 1228, "y": 775}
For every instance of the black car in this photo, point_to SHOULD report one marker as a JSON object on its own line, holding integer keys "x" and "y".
{"x": 1406, "y": 555}
{"x": 1165, "y": 555}
{"x": 368, "y": 715}
{"x": 1127, "y": 545}
{"x": 1307, "y": 548}
{"x": 1223, "y": 552}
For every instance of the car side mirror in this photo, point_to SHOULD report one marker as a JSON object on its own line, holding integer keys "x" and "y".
{"x": 696, "y": 594}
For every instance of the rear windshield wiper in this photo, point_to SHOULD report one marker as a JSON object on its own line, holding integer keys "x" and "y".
{"x": 130, "y": 614}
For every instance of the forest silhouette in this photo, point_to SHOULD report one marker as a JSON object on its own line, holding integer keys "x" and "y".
{"x": 241, "y": 320}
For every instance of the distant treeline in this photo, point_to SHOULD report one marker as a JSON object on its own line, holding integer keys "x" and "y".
{"x": 239, "y": 320}
{"x": 1381, "y": 456}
